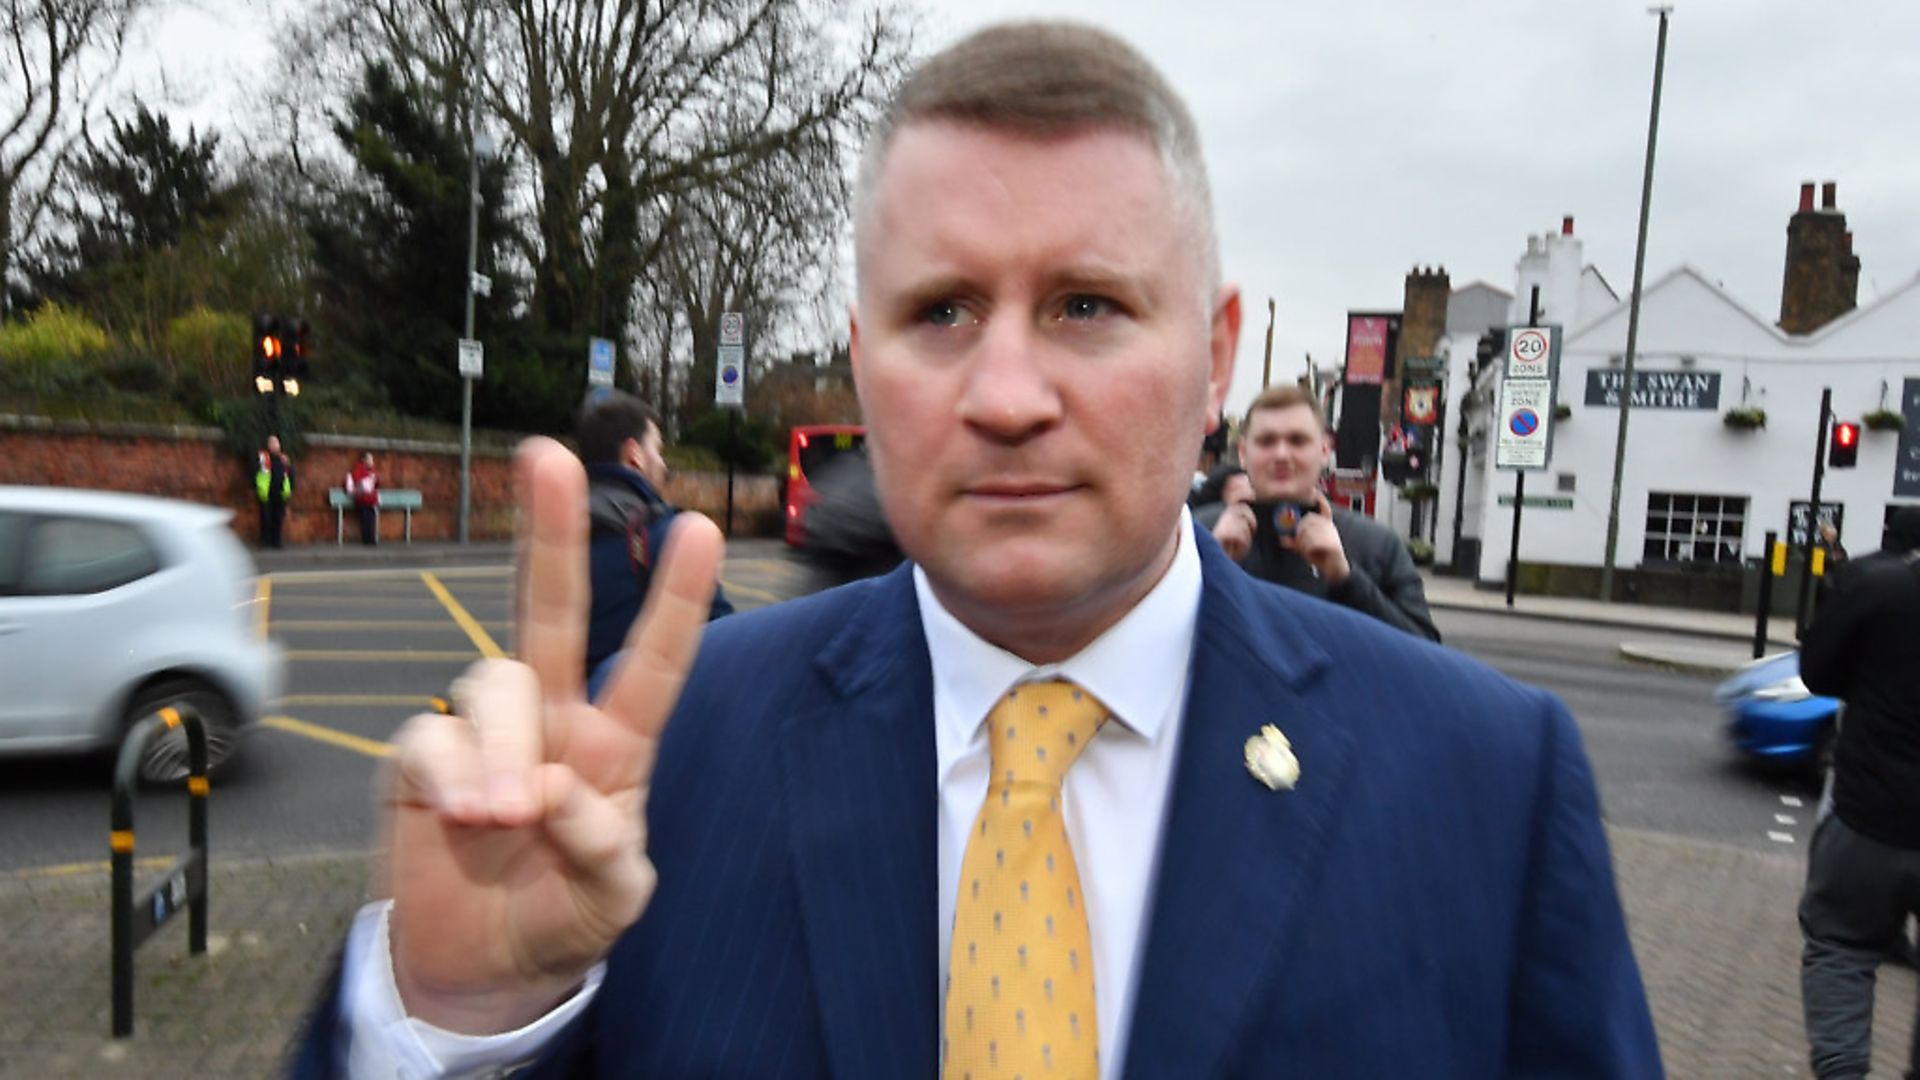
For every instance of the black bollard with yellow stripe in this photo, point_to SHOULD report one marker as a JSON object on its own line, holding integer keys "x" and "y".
{"x": 185, "y": 882}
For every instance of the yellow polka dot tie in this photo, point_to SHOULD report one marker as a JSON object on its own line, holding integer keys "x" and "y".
{"x": 1020, "y": 977}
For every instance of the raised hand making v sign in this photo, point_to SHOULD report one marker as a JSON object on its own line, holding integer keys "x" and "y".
{"x": 519, "y": 825}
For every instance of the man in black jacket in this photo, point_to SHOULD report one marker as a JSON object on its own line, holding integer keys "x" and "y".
{"x": 620, "y": 444}
{"x": 1333, "y": 554}
{"x": 1863, "y": 870}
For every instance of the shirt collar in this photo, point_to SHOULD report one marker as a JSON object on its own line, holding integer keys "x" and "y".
{"x": 972, "y": 674}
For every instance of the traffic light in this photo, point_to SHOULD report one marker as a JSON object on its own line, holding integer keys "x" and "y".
{"x": 1843, "y": 449}
{"x": 267, "y": 349}
{"x": 297, "y": 340}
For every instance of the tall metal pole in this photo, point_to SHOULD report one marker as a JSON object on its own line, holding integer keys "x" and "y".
{"x": 1266, "y": 369}
{"x": 1633, "y": 311}
{"x": 466, "y": 381}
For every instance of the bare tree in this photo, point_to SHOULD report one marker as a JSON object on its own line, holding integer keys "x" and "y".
{"x": 617, "y": 109}
{"x": 57, "y": 58}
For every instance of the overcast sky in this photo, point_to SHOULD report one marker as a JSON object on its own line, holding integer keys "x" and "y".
{"x": 1350, "y": 141}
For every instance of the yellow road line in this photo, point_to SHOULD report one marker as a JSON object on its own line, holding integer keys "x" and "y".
{"x": 149, "y": 862}
{"x": 360, "y": 625}
{"x": 322, "y": 700}
{"x": 779, "y": 566}
{"x": 335, "y": 601}
{"x": 481, "y": 639}
{"x": 265, "y": 592}
{"x": 369, "y": 747}
{"x": 379, "y": 656}
{"x": 748, "y": 590}
{"x": 312, "y": 577}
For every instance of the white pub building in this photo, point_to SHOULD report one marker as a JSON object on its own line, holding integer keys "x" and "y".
{"x": 1722, "y": 433}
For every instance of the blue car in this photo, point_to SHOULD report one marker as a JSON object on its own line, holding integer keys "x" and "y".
{"x": 1773, "y": 718}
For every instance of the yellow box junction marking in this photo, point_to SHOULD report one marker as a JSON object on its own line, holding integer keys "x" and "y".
{"x": 264, "y": 590}
{"x": 295, "y": 701}
{"x": 477, "y": 633}
{"x": 341, "y": 739}
{"x": 380, "y": 656}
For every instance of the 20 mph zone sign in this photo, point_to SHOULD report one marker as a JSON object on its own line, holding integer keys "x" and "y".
{"x": 1526, "y": 416}
{"x": 1530, "y": 352}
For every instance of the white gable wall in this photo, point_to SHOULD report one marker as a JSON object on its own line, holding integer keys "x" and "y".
{"x": 1689, "y": 451}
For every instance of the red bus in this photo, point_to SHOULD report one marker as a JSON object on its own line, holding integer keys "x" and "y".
{"x": 809, "y": 448}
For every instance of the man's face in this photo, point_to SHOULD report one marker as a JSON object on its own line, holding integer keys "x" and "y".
{"x": 1038, "y": 361}
{"x": 646, "y": 456}
{"x": 1284, "y": 452}
{"x": 273, "y": 444}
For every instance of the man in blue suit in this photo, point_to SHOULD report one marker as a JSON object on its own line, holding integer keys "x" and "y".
{"x": 1069, "y": 795}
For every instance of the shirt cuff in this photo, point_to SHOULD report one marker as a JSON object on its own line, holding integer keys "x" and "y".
{"x": 386, "y": 1043}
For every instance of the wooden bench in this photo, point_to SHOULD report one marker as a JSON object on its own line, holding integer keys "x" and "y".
{"x": 405, "y": 500}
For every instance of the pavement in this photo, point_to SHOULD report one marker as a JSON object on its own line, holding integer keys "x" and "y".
{"x": 1721, "y": 644}
{"x": 1713, "y": 925}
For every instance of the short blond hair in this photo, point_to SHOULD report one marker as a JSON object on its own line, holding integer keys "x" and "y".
{"x": 1286, "y": 396}
{"x": 1048, "y": 79}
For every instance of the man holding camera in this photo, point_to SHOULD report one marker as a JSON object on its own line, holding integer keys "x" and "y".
{"x": 1290, "y": 535}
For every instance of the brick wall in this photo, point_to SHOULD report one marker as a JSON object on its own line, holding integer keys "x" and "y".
{"x": 192, "y": 464}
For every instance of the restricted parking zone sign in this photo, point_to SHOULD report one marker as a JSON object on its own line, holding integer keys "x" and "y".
{"x": 1526, "y": 410}
{"x": 1524, "y": 437}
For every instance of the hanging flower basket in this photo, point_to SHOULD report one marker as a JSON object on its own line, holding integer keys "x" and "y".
{"x": 1884, "y": 420}
{"x": 1745, "y": 419}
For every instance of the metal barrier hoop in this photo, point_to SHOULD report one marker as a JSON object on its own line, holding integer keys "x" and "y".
{"x": 185, "y": 882}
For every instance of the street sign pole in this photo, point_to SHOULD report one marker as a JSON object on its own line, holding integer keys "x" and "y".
{"x": 729, "y": 390}
{"x": 1520, "y": 481}
{"x": 466, "y": 380}
{"x": 733, "y": 448}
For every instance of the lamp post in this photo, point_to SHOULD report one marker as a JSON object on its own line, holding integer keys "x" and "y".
{"x": 1633, "y": 311}
{"x": 477, "y": 146}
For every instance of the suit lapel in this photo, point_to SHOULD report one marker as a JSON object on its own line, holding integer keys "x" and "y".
{"x": 861, "y": 770}
{"x": 1235, "y": 857}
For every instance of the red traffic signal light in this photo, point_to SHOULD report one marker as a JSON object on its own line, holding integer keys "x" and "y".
{"x": 1843, "y": 451}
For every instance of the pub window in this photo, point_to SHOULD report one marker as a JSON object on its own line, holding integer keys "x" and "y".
{"x": 1695, "y": 528}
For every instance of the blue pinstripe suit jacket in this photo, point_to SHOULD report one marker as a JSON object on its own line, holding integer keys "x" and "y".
{"x": 1435, "y": 898}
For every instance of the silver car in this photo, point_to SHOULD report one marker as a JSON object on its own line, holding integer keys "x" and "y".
{"x": 113, "y": 606}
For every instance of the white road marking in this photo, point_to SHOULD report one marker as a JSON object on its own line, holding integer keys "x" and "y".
{"x": 1783, "y": 819}
{"x": 1791, "y": 800}
{"x": 1780, "y": 837}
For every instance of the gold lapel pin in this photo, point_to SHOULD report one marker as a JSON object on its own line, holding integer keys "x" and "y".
{"x": 1270, "y": 759}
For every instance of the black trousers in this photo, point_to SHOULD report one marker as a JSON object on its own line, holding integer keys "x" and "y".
{"x": 369, "y": 524}
{"x": 273, "y": 514}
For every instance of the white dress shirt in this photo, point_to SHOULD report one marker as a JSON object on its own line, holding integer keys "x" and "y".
{"x": 1114, "y": 803}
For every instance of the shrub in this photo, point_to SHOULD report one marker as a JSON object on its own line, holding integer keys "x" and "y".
{"x": 749, "y": 447}
{"x": 210, "y": 349}
{"x": 51, "y": 344}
